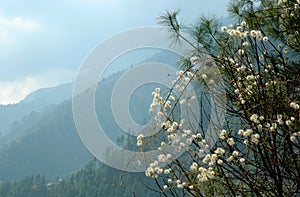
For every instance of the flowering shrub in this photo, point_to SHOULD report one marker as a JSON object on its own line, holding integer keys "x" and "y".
{"x": 258, "y": 151}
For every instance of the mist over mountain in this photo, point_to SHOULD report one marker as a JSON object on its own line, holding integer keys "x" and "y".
{"x": 41, "y": 152}
{"x": 50, "y": 95}
{"x": 44, "y": 143}
{"x": 37, "y": 101}
{"x": 43, "y": 139}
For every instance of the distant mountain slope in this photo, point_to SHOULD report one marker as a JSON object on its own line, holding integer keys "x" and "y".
{"x": 50, "y": 145}
{"x": 46, "y": 142}
{"x": 36, "y": 101}
{"x": 50, "y": 95}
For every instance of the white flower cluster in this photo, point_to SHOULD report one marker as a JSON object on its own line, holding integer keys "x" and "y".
{"x": 287, "y": 10}
{"x": 248, "y": 80}
{"x": 280, "y": 119}
{"x": 244, "y": 88}
{"x": 216, "y": 157}
{"x": 180, "y": 138}
{"x": 255, "y": 138}
{"x": 282, "y": 2}
{"x": 256, "y": 34}
{"x": 242, "y": 32}
{"x": 195, "y": 60}
{"x": 224, "y": 136}
{"x": 154, "y": 170}
{"x": 156, "y": 102}
{"x": 182, "y": 81}
{"x": 233, "y": 156}
{"x": 140, "y": 138}
{"x": 294, "y": 136}
{"x": 177, "y": 136}
{"x": 204, "y": 174}
{"x": 294, "y": 105}
{"x": 254, "y": 118}
{"x": 220, "y": 152}
{"x": 249, "y": 136}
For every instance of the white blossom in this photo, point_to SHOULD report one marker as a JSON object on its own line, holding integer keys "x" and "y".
{"x": 224, "y": 28}
{"x": 139, "y": 143}
{"x": 223, "y": 134}
{"x": 140, "y": 137}
{"x": 194, "y": 166}
{"x": 230, "y": 141}
{"x": 294, "y": 105}
{"x": 293, "y": 138}
{"x": 220, "y": 161}
{"x": 254, "y": 138}
{"x": 219, "y": 151}
{"x": 254, "y": 118}
{"x": 195, "y": 60}
{"x": 167, "y": 171}
{"x": 230, "y": 159}
{"x": 241, "y": 52}
{"x": 288, "y": 122}
{"x": 235, "y": 153}
{"x": 245, "y": 44}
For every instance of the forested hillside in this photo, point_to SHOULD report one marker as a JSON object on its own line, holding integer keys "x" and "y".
{"x": 93, "y": 180}
{"x": 37, "y": 101}
{"x": 45, "y": 143}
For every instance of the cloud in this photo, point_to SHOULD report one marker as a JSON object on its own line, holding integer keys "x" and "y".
{"x": 18, "y": 23}
{"x": 15, "y": 91}
{"x": 39, "y": 36}
{"x": 12, "y": 30}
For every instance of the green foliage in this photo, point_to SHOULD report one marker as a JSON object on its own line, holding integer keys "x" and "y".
{"x": 258, "y": 58}
{"x": 94, "y": 180}
{"x": 47, "y": 139}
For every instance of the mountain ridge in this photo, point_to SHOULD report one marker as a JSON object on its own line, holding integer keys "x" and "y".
{"x": 36, "y": 101}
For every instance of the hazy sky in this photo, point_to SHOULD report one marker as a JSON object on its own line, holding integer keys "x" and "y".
{"x": 42, "y": 43}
